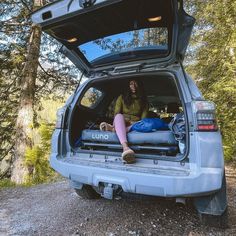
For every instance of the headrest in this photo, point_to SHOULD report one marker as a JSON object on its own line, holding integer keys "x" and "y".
{"x": 173, "y": 108}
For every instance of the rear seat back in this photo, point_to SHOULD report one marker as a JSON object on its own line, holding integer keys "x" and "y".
{"x": 172, "y": 108}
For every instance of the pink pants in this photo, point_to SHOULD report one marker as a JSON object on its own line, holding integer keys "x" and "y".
{"x": 121, "y": 128}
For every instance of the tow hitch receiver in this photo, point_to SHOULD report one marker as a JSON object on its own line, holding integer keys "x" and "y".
{"x": 108, "y": 191}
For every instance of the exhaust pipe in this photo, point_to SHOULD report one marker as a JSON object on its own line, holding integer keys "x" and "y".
{"x": 180, "y": 201}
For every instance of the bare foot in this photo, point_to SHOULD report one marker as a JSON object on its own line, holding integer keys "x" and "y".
{"x": 106, "y": 127}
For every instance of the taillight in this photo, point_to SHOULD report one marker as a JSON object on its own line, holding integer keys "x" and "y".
{"x": 60, "y": 117}
{"x": 205, "y": 117}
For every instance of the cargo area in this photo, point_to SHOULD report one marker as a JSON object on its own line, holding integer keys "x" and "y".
{"x": 96, "y": 104}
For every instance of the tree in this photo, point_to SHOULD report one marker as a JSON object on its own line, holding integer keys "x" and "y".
{"x": 12, "y": 47}
{"x": 25, "y": 117}
{"x": 56, "y": 76}
{"x": 214, "y": 66}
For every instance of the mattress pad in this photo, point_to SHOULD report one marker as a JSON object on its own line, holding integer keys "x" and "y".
{"x": 136, "y": 138}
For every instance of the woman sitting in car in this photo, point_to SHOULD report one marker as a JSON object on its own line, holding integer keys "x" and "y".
{"x": 130, "y": 107}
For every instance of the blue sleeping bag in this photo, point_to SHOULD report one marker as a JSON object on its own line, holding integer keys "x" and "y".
{"x": 149, "y": 125}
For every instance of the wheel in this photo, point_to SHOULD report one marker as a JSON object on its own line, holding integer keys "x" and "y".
{"x": 87, "y": 192}
{"x": 215, "y": 221}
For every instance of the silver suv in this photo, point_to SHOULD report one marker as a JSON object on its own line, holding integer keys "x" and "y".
{"x": 111, "y": 42}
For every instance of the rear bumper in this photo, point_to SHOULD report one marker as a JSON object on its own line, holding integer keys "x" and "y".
{"x": 196, "y": 182}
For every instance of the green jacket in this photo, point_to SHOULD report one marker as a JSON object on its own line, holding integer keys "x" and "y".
{"x": 132, "y": 113}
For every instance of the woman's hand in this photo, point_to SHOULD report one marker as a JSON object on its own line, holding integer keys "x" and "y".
{"x": 129, "y": 123}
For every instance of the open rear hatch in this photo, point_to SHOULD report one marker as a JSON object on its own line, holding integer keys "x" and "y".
{"x": 107, "y": 34}
{"x": 96, "y": 105}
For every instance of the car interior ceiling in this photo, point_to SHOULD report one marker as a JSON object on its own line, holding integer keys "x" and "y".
{"x": 113, "y": 19}
{"x": 162, "y": 96}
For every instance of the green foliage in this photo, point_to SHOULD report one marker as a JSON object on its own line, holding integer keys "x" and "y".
{"x": 214, "y": 66}
{"x": 12, "y": 58}
{"x": 59, "y": 77}
{"x": 47, "y": 108}
{"x": 223, "y": 93}
{"x": 37, "y": 157}
{"x": 5, "y": 183}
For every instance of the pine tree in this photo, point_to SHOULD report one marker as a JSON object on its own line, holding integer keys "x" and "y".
{"x": 19, "y": 86}
{"x": 25, "y": 117}
{"x": 12, "y": 47}
{"x": 214, "y": 66}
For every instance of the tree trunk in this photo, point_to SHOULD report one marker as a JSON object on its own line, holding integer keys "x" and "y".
{"x": 25, "y": 118}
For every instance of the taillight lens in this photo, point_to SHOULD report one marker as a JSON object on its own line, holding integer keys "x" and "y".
{"x": 205, "y": 117}
{"x": 60, "y": 116}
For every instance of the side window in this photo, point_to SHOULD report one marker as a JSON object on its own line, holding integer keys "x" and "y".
{"x": 91, "y": 98}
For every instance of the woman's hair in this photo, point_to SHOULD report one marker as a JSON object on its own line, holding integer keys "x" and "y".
{"x": 127, "y": 94}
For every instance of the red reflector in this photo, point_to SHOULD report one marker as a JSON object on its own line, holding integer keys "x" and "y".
{"x": 207, "y": 127}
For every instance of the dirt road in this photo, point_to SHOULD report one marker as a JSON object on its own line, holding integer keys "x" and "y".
{"x": 55, "y": 209}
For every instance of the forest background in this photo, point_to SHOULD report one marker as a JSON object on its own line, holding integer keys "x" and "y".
{"x": 35, "y": 80}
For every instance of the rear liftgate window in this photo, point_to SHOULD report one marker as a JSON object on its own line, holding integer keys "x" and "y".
{"x": 127, "y": 45}
{"x": 123, "y": 31}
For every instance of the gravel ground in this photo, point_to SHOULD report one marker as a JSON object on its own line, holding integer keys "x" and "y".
{"x": 55, "y": 209}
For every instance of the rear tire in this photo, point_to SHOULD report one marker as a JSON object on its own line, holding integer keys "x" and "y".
{"x": 87, "y": 192}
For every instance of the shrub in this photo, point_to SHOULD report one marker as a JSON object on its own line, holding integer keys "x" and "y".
{"x": 37, "y": 157}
